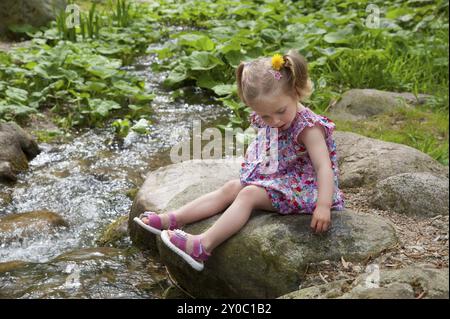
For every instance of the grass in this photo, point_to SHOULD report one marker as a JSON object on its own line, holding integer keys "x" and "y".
{"x": 401, "y": 126}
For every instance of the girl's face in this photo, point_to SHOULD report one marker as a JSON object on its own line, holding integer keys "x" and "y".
{"x": 277, "y": 110}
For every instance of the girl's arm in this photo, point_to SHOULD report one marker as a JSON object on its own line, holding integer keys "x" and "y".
{"x": 314, "y": 140}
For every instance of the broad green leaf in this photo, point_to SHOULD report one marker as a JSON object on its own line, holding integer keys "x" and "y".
{"x": 108, "y": 50}
{"x": 69, "y": 74}
{"x": 398, "y": 12}
{"x": 271, "y": 35}
{"x": 235, "y": 57}
{"x": 103, "y": 107}
{"x": 232, "y": 45}
{"x": 94, "y": 86}
{"x": 205, "y": 80}
{"x": 4, "y": 58}
{"x": 224, "y": 89}
{"x": 200, "y": 60}
{"x": 198, "y": 42}
{"x": 141, "y": 126}
{"x": 16, "y": 109}
{"x": 144, "y": 97}
{"x": 102, "y": 72}
{"x": 341, "y": 36}
{"x": 125, "y": 87}
{"x": 177, "y": 75}
{"x": 16, "y": 94}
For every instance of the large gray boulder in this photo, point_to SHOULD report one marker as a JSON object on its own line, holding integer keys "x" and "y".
{"x": 17, "y": 147}
{"x": 420, "y": 194}
{"x": 269, "y": 255}
{"x": 33, "y": 12}
{"x": 420, "y": 281}
{"x": 357, "y": 104}
{"x": 364, "y": 161}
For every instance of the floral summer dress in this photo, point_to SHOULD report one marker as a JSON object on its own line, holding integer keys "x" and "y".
{"x": 290, "y": 180}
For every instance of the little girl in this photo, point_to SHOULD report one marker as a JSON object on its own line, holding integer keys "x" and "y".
{"x": 305, "y": 180}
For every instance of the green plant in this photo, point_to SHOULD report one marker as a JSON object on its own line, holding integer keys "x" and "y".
{"x": 121, "y": 12}
{"x": 90, "y": 23}
{"x": 122, "y": 127}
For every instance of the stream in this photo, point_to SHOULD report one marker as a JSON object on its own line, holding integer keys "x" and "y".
{"x": 86, "y": 181}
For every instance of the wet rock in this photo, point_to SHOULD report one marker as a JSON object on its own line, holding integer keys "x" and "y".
{"x": 115, "y": 233}
{"x": 421, "y": 281}
{"x": 364, "y": 161}
{"x": 269, "y": 255}
{"x": 131, "y": 193}
{"x": 359, "y": 104}
{"x": 421, "y": 194}
{"x": 17, "y": 147}
{"x": 89, "y": 254}
{"x": 11, "y": 266}
{"x": 86, "y": 273}
{"x": 5, "y": 199}
{"x": 33, "y": 12}
{"x": 29, "y": 224}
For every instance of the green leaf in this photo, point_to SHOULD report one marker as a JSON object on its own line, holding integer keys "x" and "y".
{"x": 202, "y": 61}
{"x": 17, "y": 95}
{"x": 206, "y": 80}
{"x": 271, "y": 35}
{"x": 145, "y": 97}
{"x": 398, "y": 12}
{"x": 40, "y": 71}
{"x": 102, "y": 72}
{"x": 232, "y": 45}
{"x": 5, "y": 59}
{"x": 141, "y": 126}
{"x": 135, "y": 107}
{"x": 198, "y": 42}
{"x": 233, "y": 105}
{"x": 235, "y": 57}
{"x": 94, "y": 86}
{"x": 16, "y": 110}
{"x": 341, "y": 36}
{"x": 30, "y": 65}
{"x": 125, "y": 87}
{"x": 108, "y": 50}
{"x": 224, "y": 89}
{"x": 102, "y": 107}
{"x": 176, "y": 75}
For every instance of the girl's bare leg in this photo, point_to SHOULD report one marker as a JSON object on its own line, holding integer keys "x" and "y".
{"x": 204, "y": 206}
{"x": 234, "y": 218}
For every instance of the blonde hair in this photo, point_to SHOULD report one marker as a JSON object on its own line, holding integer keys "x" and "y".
{"x": 254, "y": 78}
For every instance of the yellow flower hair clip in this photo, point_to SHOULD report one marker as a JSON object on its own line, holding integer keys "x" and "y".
{"x": 277, "y": 64}
{"x": 277, "y": 61}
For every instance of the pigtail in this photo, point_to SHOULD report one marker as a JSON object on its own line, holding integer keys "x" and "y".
{"x": 300, "y": 82}
{"x": 239, "y": 71}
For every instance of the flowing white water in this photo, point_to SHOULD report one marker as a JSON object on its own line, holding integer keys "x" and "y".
{"x": 85, "y": 180}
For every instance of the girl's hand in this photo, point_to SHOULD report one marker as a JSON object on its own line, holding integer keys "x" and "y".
{"x": 321, "y": 219}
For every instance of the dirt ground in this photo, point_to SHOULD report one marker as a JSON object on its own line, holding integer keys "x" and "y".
{"x": 421, "y": 241}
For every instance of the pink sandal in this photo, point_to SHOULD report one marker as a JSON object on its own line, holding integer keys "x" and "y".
{"x": 177, "y": 243}
{"x": 154, "y": 224}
